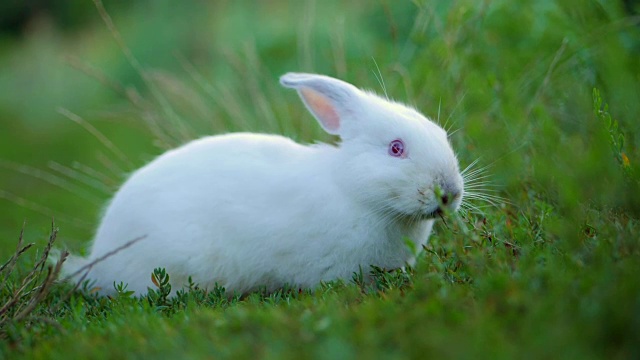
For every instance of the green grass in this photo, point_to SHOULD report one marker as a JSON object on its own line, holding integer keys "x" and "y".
{"x": 550, "y": 273}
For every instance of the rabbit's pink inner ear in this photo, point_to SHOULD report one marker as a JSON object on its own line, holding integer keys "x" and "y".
{"x": 322, "y": 109}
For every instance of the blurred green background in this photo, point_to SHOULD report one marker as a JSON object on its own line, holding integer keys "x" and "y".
{"x": 515, "y": 78}
{"x": 86, "y": 98}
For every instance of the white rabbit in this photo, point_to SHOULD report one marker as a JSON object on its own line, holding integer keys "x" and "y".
{"x": 249, "y": 211}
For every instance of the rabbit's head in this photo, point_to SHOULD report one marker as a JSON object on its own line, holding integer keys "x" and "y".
{"x": 391, "y": 157}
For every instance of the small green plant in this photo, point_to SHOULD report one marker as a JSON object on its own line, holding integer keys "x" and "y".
{"x": 384, "y": 280}
{"x": 121, "y": 289}
{"x": 159, "y": 297}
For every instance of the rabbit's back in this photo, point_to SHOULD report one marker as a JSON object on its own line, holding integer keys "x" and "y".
{"x": 204, "y": 179}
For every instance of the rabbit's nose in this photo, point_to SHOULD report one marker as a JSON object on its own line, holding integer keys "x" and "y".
{"x": 449, "y": 197}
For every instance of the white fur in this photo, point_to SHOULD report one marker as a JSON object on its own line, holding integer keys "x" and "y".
{"x": 249, "y": 210}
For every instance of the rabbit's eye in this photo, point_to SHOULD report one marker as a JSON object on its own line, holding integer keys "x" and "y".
{"x": 396, "y": 148}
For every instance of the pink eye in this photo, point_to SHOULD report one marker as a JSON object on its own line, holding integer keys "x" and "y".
{"x": 396, "y": 148}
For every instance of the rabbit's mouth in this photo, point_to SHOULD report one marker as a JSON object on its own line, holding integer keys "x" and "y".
{"x": 434, "y": 214}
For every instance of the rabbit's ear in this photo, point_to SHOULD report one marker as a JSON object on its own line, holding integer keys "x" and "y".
{"x": 328, "y": 99}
